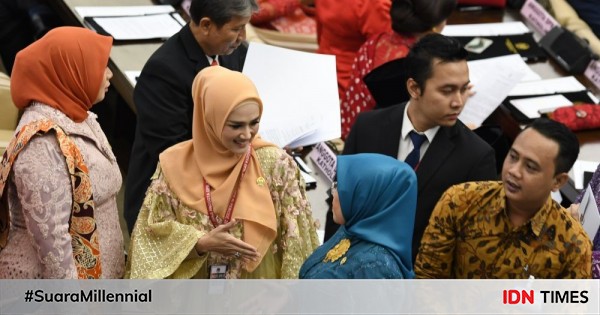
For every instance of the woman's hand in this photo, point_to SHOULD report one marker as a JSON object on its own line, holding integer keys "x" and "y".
{"x": 220, "y": 241}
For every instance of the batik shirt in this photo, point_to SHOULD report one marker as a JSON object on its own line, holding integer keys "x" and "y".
{"x": 471, "y": 236}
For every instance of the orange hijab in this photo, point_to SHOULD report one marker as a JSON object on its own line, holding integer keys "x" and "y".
{"x": 64, "y": 69}
{"x": 217, "y": 91}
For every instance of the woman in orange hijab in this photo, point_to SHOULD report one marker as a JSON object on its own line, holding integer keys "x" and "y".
{"x": 225, "y": 204}
{"x": 58, "y": 177}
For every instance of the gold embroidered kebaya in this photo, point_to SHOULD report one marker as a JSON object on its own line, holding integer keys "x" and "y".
{"x": 337, "y": 251}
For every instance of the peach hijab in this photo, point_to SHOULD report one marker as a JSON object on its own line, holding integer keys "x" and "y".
{"x": 64, "y": 69}
{"x": 218, "y": 91}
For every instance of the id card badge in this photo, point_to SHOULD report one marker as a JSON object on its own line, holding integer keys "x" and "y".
{"x": 218, "y": 272}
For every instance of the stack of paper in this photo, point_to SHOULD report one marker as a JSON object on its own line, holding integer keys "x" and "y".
{"x": 547, "y": 86}
{"x": 133, "y": 22}
{"x": 486, "y": 29}
{"x": 533, "y": 106}
{"x": 299, "y": 94}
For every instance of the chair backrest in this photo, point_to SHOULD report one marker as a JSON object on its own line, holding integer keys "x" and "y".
{"x": 8, "y": 112}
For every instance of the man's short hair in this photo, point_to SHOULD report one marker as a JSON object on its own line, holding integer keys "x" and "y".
{"x": 432, "y": 46}
{"x": 221, "y": 11}
{"x": 568, "y": 145}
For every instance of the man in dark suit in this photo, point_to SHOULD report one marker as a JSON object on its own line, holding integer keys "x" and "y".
{"x": 163, "y": 93}
{"x": 425, "y": 132}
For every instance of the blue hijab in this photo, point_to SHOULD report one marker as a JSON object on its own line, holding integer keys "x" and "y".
{"x": 377, "y": 196}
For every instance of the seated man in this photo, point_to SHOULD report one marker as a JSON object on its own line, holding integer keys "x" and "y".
{"x": 425, "y": 132}
{"x": 511, "y": 228}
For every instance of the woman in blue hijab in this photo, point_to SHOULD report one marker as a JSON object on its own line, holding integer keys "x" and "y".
{"x": 374, "y": 203}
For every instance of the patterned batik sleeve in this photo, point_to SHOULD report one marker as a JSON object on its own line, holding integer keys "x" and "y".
{"x": 297, "y": 236}
{"x": 435, "y": 257}
{"x": 579, "y": 258}
{"x": 162, "y": 246}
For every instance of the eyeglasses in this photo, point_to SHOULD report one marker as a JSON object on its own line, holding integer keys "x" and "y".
{"x": 334, "y": 186}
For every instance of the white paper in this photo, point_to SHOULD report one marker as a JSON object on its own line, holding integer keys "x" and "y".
{"x": 530, "y": 107}
{"x": 132, "y": 76}
{"x": 486, "y": 29}
{"x": 84, "y": 11}
{"x": 283, "y": 137}
{"x": 140, "y": 27}
{"x": 588, "y": 211}
{"x": 547, "y": 86}
{"x": 579, "y": 168}
{"x": 295, "y": 87}
{"x": 492, "y": 80}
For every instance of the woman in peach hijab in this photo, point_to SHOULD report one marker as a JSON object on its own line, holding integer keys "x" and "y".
{"x": 58, "y": 177}
{"x": 225, "y": 204}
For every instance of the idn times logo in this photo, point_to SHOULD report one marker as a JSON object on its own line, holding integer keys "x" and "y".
{"x": 544, "y": 296}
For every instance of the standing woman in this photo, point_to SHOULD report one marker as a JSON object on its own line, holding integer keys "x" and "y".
{"x": 374, "y": 201}
{"x": 225, "y": 204}
{"x": 59, "y": 178}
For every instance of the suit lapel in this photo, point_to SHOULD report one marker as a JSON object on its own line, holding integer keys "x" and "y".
{"x": 392, "y": 131}
{"x": 435, "y": 156}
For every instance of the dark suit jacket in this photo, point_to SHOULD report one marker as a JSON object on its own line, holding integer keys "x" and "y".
{"x": 456, "y": 155}
{"x": 164, "y": 104}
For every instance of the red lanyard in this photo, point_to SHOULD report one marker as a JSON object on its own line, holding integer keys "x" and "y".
{"x": 216, "y": 221}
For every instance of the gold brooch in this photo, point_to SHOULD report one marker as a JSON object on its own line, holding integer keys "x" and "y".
{"x": 260, "y": 181}
{"x": 522, "y": 46}
{"x": 337, "y": 251}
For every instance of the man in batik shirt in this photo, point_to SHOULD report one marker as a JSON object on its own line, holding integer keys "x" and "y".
{"x": 511, "y": 228}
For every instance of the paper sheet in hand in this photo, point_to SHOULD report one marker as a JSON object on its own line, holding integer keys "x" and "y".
{"x": 492, "y": 79}
{"x": 532, "y": 106}
{"x": 588, "y": 211}
{"x": 297, "y": 89}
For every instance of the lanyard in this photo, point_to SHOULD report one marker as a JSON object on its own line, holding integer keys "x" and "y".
{"x": 207, "y": 198}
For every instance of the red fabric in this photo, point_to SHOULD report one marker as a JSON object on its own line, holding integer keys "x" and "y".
{"x": 285, "y": 16}
{"x": 64, "y": 69}
{"x": 378, "y": 50}
{"x": 492, "y": 3}
{"x": 343, "y": 26}
{"x": 578, "y": 117}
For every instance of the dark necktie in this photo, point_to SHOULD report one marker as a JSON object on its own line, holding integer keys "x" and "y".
{"x": 413, "y": 157}
{"x": 214, "y": 61}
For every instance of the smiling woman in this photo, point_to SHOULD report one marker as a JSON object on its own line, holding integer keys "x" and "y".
{"x": 225, "y": 204}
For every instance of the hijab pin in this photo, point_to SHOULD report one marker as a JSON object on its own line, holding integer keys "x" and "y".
{"x": 260, "y": 181}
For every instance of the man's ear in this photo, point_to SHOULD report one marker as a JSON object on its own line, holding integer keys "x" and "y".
{"x": 559, "y": 181}
{"x": 205, "y": 24}
{"x": 413, "y": 88}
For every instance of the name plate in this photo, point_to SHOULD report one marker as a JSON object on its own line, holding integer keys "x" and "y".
{"x": 538, "y": 17}
{"x": 325, "y": 159}
{"x": 593, "y": 73}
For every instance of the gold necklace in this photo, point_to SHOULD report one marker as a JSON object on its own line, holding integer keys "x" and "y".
{"x": 338, "y": 251}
